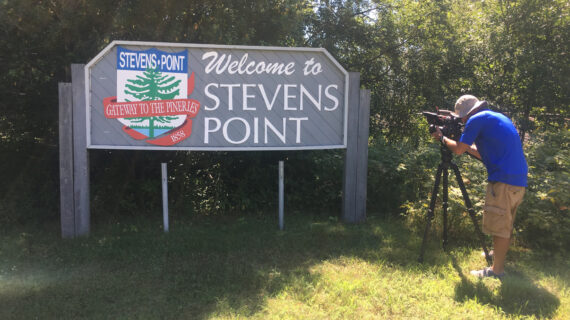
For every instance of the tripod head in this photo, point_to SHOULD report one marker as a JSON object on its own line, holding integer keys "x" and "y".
{"x": 446, "y": 153}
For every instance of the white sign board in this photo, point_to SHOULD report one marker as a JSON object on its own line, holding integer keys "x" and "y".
{"x": 163, "y": 96}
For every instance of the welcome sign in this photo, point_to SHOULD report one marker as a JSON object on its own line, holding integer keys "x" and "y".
{"x": 144, "y": 95}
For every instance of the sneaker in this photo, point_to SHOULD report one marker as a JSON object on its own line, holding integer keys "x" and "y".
{"x": 487, "y": 272}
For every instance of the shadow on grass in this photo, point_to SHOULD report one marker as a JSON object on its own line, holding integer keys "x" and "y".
{"x": 516, "y": 294}
{"x": 197, "y": 271}
{"x": 211, "y": 268}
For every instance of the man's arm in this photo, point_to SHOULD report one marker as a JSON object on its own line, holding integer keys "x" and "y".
{"x": 456, "y": 147}
{"x": 460, "y": 147}
{"x": 474, "y": 152}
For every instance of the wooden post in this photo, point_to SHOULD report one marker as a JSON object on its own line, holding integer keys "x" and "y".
{"x": 362, "y": 160}
{"x": 349, "y": 181}
{"x": 80, "y": 155}
{"x": 356, "y": 158}
{"x": 67, "y": 206}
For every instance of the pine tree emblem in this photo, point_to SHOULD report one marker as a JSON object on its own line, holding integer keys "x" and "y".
{"x": 153, "y": 85}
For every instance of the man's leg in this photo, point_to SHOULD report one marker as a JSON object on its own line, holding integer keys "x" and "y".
{"x": 500, "y": 247}
{"x": 501, "y": 203}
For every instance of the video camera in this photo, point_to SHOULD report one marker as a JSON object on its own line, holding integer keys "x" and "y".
{"x": 450, "y": 125}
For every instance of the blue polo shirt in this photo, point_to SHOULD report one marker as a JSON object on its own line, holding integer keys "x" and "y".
{"x": 499, "y": 145}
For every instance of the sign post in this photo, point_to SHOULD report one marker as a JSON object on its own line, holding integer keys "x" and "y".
{"x": 281, "y": 195}
{"x": 164, "y": 196}
{"x": 67, "y": 204}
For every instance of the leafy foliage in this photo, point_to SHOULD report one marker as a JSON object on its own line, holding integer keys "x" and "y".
{"x": 544, "y": 217}
{"x": 398, "y": 174}
{"x": 413, "y": 55}
{"x": 460, "y": 225}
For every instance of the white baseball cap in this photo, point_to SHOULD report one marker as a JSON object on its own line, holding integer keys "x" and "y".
{"x": 467, "y": 103}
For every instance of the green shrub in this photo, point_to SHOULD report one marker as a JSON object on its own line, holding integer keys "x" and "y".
{"x": 543, "y": 219}
{"x": 460, "y": 225}
{"x": 398, "y": 173}
{"x": 127, "y": 183}
{"x": 29, "y": 192}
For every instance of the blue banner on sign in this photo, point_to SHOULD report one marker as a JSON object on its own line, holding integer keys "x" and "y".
{"x": 152, "y": 59}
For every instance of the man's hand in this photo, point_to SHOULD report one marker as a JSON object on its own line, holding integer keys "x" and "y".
{"x": 437, "y": 134}
{"x": 456, "y": 147}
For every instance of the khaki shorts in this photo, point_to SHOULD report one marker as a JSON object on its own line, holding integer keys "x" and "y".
{"x": 500, "y": 209}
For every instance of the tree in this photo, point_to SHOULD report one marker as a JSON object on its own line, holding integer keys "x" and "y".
{"x": 413, "y": 55}
{"x": 522, "y": 62}
{"x": 41, "y": 39}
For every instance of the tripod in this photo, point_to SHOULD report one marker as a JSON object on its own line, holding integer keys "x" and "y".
{"x": 446, "y": 156}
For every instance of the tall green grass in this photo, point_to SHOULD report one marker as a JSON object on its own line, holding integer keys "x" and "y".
{"x": 245, "y": 268}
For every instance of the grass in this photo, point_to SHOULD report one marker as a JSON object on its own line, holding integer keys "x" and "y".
{"x": 247, "y": 269}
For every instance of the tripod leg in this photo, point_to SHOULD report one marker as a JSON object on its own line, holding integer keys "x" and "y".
{"x": 431, "y": 210}
{"x": 471, "y": 212}
{"x": 445, "y": 199}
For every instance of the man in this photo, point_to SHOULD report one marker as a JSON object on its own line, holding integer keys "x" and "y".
{"x": 498, "y": 145}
